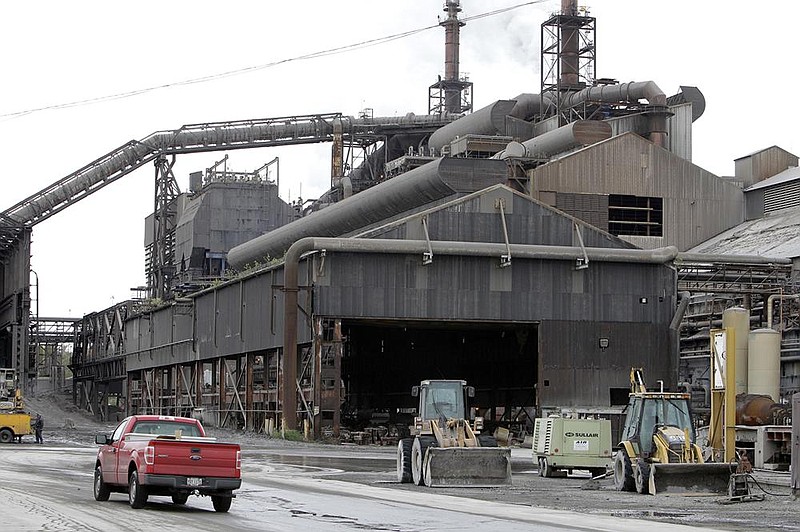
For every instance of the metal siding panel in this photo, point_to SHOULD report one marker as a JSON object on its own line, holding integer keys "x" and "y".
{"x": 460, "y": 289}
{"x": 581, "y": 374}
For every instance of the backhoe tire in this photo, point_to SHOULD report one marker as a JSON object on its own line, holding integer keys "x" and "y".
{"x": 100, "y": 489}
{"x": 6, "y": 436}
{"x": 487, "y": 440}
{"x": 404, "y": 460}
{"x": 418, "y": 450}
{"x": 221, "y": 503}
{"x": 137, "y": 494}
{"x": 642, "y": 477}
{"x": 623, "y": 472}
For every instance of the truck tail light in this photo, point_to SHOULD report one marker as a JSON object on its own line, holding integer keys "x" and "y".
{"x": 149, "y": 455}
{"x": 239, "y": 460}
{"x": 418, "y": 423}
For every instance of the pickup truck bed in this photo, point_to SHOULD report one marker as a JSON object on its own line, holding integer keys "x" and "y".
{"x": 164, "y": 455}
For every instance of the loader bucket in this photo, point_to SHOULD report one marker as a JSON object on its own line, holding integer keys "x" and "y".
{"x": 467, "y": 466}
{"x": 690, "y": 478}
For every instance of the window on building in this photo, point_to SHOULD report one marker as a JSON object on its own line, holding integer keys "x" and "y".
{"x": 635, "y": 215}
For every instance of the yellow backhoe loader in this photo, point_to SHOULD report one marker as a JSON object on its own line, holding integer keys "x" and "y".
{"x": 445, "y": 449}
{"x": 658, "y": 452}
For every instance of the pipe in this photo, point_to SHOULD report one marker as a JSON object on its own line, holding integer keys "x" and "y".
{"x": 709, "y": 258}
{"x": 770, "y": 301}
{"x": 574, "y": 134}
{"x": 628, "y": 92}
{"x": 198, "y": 138}
{"x": 431, "y": 182}
{"x": 472, "y": 249}
{"x": 675, "y": 328}
{"x": 489, "y": 120}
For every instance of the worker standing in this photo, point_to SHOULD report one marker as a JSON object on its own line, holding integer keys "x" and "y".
{"x": 38, "y": 425}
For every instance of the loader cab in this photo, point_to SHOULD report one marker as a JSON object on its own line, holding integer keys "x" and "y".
{"x": 648, "y": 411}
{"x": 443, "y": 398}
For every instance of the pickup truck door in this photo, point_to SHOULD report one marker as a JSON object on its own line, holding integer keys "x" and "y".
{"x": 108, "y": 455}
{"x": 123, "y": 458}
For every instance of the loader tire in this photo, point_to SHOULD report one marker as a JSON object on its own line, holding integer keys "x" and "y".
{"x": 487, "y": 440}
{"x": 623, "y": 472}
{"x": 642, "y": 477}
{"x": 418, "y": 450}
{"x": 404, "y": 460}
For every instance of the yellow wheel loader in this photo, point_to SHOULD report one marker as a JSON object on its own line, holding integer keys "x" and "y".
{"x": 658, "y": 452}
{"x": 15, "y": 422}
{"x": 445, "y": 449}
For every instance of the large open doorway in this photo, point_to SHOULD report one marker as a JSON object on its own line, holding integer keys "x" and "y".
{"x": 383, "y": 360}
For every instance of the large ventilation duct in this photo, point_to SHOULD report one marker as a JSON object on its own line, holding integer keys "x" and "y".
{"x": 436, "y": 180}
{"x": 487, "y": 121}
{"x": 572, "y": 135}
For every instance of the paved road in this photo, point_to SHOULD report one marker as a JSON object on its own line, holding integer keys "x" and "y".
{"x": 50, "y": 488}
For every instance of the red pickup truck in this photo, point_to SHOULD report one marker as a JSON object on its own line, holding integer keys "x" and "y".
{"x": 164, "y": 455}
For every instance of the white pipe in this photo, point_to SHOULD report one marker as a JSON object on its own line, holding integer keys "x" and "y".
{"x": 770, "y": 301}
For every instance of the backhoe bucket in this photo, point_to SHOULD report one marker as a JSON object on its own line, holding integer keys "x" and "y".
{"x": 467, "y": 466}
{"x": 690, "y": 478}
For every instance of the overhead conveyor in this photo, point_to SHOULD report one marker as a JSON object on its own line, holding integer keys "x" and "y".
{"x": 214, "y": 136}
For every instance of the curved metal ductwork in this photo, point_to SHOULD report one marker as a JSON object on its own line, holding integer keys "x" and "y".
{"x": 630, "y": 92}
{"x": 691, "y": 95}
{"x": 572, "y": 135}
{"x": 436, "y": 180}
{"x": 383, "y": 245}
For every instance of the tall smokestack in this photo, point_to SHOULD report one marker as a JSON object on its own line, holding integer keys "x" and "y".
{"x": 569, "y": 45}
{"x": 452, "y": 30}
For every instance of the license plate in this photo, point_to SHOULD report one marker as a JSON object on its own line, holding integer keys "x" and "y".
{"x": 194, "y": 481}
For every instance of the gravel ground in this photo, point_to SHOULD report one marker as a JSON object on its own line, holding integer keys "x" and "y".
{"x": 66, "y": 425}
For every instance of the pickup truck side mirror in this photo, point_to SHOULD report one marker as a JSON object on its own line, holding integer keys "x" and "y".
{"x": 102, "y": 439}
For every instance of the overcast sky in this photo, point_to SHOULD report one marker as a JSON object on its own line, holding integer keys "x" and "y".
{"x": 55, "y": 52}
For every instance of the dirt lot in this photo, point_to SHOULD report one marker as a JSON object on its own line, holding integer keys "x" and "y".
{"x": 65, "y": 424}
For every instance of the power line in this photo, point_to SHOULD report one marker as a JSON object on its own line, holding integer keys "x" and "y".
{"x": 231, "y": 73}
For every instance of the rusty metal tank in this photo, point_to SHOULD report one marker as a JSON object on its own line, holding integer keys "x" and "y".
{"x": 760, "y": 409}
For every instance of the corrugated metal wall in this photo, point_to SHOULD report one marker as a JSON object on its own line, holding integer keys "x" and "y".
{"x": 697, "y": 204}
{"x": 760, "y": 165}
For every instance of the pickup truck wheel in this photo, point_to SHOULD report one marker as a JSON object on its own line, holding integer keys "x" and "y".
{"x": 137, "y": 494}
{"x": 6, "y": 436}
{"x": 100, "y": 489}
{"x": 221, "y": 504}
{"x": 180, "y": 498}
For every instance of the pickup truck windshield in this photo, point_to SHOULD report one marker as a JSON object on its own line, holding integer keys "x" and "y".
{"x": 166, "y": 428}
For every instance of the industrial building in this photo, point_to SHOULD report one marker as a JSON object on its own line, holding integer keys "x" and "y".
{"x": 538, "y": 248}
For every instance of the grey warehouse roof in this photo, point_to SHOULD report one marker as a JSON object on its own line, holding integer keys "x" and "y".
{"x": 774, "y": 236}
{"x": 790, "y": 174}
